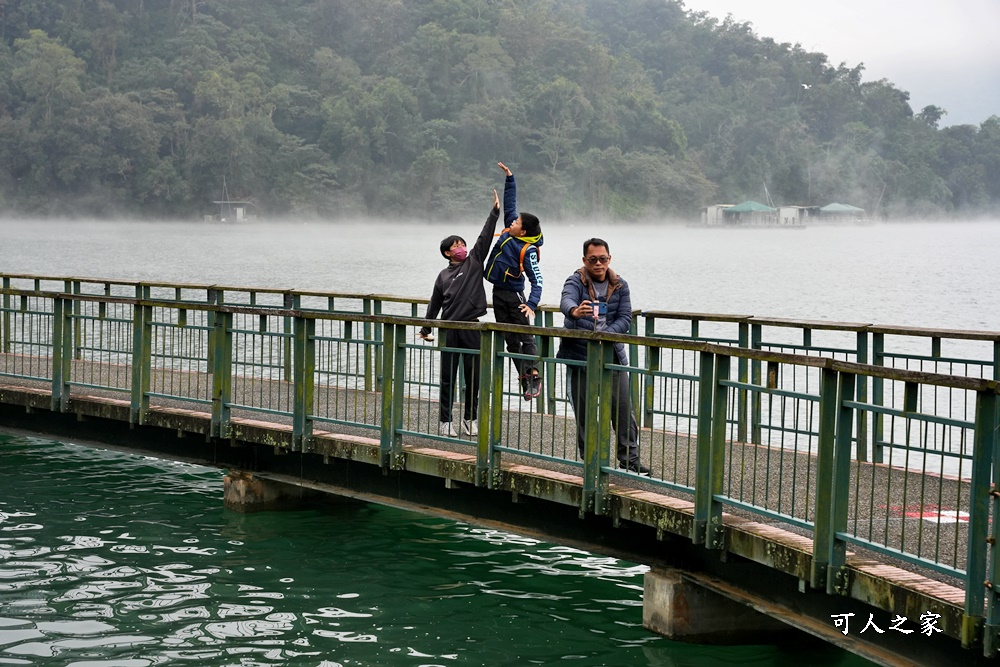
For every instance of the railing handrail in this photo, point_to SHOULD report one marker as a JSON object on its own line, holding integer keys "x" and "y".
{"x": 875, "y": 371}
{"x": 930, "y": 332}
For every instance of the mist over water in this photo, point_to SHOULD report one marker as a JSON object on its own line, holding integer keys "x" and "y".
{"x": 939, "y": 275}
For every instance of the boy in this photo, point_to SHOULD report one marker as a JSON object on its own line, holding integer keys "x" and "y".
{"x": 514, "y": 255}
{"x": 459, "y": 296}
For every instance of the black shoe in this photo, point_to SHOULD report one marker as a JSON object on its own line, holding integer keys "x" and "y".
{"x": 531, "y": 386}
{"x": 636, "y": 467}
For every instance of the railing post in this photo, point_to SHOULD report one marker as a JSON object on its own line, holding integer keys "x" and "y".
{"x": 484, "y": 414}
{"x": 140, "y": 362}
{"x": 981, "y": 497}
{"x": 878, "y": 397}
{"x": 538, "y": 324}
{"x": 548, "y": 351}
{"x": 366, "y": 308}
{"x": 714, "y": 533}
{"x": 862, "y": 436}
{"x": 635, "y": 397}
{"x": 214, "y": 297}
{"x": 395, "y": 444}
{"x": 743, "y": 371}
{"x": 222, "y": 375}
{"x": 290, "y": 302}
{"x": 652, "y": 366}
{"x": 5, "y": 332}
{"x": 606, "y": 407}
{"x": 703, "y": 457}
{"x": 62, "y": 350}
{"x": 496, "y": 408}
{"x": 836, "y": 578}
{"x": 823, "y": 536}
{"x": 996, "y": 360}
{"x": 77, "y": 289}
{"x": 304, "y": 374}
{"x": 377, "y": 353}
{"x": 756, "y": 343}
{"x": 387, "y": 424}
{"x": 592, "y": 390}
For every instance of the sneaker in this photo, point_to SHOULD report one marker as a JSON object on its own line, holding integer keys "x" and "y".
{"x": 531, "y": 386}
{"x": 447, "y": 428}
{"x": 470, "y": 427}
{"x": 636, "y": 467}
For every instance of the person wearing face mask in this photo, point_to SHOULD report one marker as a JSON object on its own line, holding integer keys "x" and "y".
{"x": 459, "y": 296}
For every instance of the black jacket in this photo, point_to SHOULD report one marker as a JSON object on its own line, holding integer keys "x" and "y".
{"x": 458, "y": 293}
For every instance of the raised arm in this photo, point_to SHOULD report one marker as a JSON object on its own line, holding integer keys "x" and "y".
{"x": 482, "y": 244}
{"x": 509, "y": 196}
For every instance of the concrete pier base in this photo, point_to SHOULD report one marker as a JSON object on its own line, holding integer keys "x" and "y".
{"x": 243, "y": 492}
{"x": 682, "y": 610}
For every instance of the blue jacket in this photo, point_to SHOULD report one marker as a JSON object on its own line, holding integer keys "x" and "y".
{"x": 503, "y": 266}
{"x": 577, "y": 289}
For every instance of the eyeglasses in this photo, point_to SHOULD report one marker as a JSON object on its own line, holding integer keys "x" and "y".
{"x": 603, "y": 259}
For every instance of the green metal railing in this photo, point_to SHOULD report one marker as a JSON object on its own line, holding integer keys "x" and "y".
{"x": 779, "y": 426}
{"x": 963, "y": 353}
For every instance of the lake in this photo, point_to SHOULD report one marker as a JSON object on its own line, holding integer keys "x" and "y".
{"x": 940, "y": 275}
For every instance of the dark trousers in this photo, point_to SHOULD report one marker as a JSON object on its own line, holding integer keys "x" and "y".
{"x": 506, "y": 311}
{"x": 622, "y": 420}
{"x": 450, "y": 362}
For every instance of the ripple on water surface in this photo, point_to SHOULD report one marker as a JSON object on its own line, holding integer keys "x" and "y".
{"x": 118, "y": 560}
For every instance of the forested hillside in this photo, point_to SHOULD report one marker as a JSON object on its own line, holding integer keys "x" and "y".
{"x": 627, "y": 109}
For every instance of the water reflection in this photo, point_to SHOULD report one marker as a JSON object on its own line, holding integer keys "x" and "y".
{"x": 142, "y": 582}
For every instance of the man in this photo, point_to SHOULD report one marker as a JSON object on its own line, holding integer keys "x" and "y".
{"x": 595, "y": 298}
{"x": 460, "y": 297}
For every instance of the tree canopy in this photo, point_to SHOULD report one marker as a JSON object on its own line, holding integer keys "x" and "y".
{"x": 630, "y": 109}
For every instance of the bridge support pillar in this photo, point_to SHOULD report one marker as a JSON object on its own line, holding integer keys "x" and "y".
{"x": 682, "y": 610}
{"x": 243, "y": 492}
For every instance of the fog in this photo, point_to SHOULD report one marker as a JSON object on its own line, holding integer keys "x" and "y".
{"x": 942, "y": 54}
{"x": 918, "y": 274}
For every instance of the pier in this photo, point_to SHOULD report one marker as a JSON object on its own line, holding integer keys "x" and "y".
{"x": 818, "y": 475}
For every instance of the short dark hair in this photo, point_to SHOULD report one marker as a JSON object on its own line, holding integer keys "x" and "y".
{"x": 448, "y": 242}
{"x": 530, "y": 225}
{"x": 595, "y": 241}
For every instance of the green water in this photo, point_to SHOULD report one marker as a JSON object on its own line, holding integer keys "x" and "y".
{"x": 118, "y": 560}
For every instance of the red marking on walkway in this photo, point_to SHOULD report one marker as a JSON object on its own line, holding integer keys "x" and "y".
{"x": 930, "y": 513}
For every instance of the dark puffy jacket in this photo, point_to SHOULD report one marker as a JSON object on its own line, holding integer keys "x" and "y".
{"x": 458, "y": 291}
{"x": 578, "y": 289}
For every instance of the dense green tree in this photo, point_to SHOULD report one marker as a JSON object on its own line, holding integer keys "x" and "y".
{"x": 629, "y": 109}
{"x": 48, "y": 73}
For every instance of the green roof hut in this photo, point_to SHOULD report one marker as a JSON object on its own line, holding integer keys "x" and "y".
{"x": 750, "y": 213}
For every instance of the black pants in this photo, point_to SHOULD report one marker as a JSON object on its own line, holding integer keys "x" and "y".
{"x": 450, "y": 362}
{"x": 506, "y": 311}
{"x": 622, "y": 420}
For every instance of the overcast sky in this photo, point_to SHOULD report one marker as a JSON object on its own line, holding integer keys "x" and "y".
{"x": 943, "y": 52}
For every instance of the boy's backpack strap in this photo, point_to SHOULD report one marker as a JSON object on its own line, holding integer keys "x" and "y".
{"x": 524, "y": 249}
